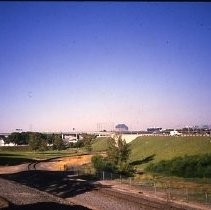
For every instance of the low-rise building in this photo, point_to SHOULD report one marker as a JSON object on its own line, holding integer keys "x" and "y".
{"x": 175, "y": 133}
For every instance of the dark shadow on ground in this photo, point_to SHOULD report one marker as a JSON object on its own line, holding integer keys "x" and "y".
{"x": 60, "y": 183}
{"x": 45, "y": 205}
{"x": 144, "y": 160}
{"x": 2, "y": 154}
{"x": 10, "y": 160}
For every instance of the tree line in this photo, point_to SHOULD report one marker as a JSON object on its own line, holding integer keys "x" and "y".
{"x": 41, "y": 142}
{"x": 36, "y": 141}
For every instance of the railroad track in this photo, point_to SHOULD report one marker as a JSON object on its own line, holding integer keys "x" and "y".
{"x": 101, "y": 198}
{"x": 32, "y": 166}
{"x": 142, "y": 201}
{"x": 103, "y": 195}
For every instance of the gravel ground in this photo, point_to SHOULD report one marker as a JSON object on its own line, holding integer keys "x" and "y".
{"x": 20, "y": 196}
{"x": 124, "y": 198}
{"x": 97, "y": 200}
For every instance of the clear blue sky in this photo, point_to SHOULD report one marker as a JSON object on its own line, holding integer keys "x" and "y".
{"x": 69, "y": 64}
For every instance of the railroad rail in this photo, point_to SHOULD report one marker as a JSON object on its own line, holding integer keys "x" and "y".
{"x": 100, "y": 195}
{"x": 32, "y": 166}
{"x": 142, "y": 201}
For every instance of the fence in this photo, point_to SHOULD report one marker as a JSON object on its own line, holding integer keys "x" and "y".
{"x": 166, "y": 191}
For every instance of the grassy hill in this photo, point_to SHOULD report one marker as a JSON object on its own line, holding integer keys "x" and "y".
{"x": 166, "y": 148}
{"x": 162, "y": 147}
{"x": 100, "y": 144}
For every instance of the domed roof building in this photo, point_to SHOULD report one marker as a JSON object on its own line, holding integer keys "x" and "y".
{"x": 121, "y": 127}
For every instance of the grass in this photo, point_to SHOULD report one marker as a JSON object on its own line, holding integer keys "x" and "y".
{"x": 17, "y": 155}
{"x": 13, "y": 158}
{"x": 160, "y": 147}
{"x": 163, "y": 148}
{"x": 100, "y": 144}
{"x": 166, "y": 148}
{"x": 195, "y": 186}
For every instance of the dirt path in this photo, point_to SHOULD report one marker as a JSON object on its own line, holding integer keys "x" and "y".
{"x": 51, "y": 165}
{"x": 13, "y": 169}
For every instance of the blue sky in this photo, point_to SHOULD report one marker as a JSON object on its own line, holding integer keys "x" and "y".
{"x": 69, "y": 64}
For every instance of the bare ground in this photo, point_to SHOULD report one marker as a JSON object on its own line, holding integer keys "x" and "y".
{"x": 17, "y": 196}
{"x": 13, "y": 169}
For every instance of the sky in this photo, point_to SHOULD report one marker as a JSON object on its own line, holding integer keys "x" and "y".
{"x": 86, "y": 65}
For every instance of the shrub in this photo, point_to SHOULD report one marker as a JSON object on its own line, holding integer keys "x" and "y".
{"x": 98, "y": 162}
{"x": 102, "y": 164}
{"x": 187, "y": 166}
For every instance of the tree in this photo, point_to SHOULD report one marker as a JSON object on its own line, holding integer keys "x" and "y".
{"x": 98, "y": 162}
{"x": 78, "y": 144}
{"x": 101, "y": 163}
{"x": 37, "y": 142}
{"x": 119, "y": 150}
{"x": 117, "y": 159}
{"x": 49, "y": 138}
{"x": 34, "y": 141}
{"x": 19, "y": 138}
{"x": 58, "y": 143}
{"x": 87, "y": 141}
{"x": 43, "y": 145}
{"x": 113, "y": 152}
{"x": 118, "y": 154}
{"x": 15, "y": 138}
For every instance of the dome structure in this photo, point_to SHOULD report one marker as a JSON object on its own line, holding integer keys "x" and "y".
{"x": 121, "y": 127}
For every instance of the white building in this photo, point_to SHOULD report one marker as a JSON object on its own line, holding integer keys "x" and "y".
{"x": 175, "y": 133}
{"x": 1, "y": 142}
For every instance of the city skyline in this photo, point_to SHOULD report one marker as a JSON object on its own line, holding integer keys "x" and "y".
{"x": 68, "y": 65}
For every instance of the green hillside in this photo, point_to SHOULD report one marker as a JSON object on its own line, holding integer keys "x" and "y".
{"x": 100, "y": 144}
{"x": 163, "y": 147}
{"x": 166, "y": 148}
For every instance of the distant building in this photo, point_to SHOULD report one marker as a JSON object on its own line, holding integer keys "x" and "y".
{"x": 19, "y": 130}
{"x": 154, "y": 130}
{"x": 1, "y": 142}
{"x": 121, "y": 127}
{"x": 70, "y": 138}
{"x": 175, "y": 133}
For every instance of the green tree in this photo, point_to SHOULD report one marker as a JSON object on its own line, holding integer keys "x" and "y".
{"x": 87, "y": 141}
{"x": 101, "y": 163}
{"x": 118, "y": 154}
{"x": 38, "y": 142}
{"x": 50, "y": 138}
{"x": 19, "y": 138}
{"x": 34, "y": 142}
{"x": 15, "y": 138}
{"x": 98, "y": 162}
{"x": 58, "y": 143}
{"x": 117, "y": 159}
{"x": 43, "y": 145}
{"x": 78, "y": 144}
{"x": 113, "y": 152}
